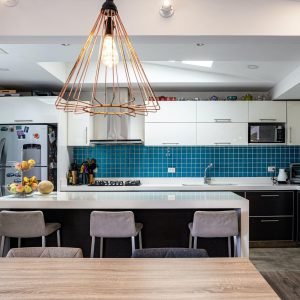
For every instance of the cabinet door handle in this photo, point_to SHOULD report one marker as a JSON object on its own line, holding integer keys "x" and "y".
{"x": 86, "y": 134}
{"x": 222, "y": 120}
{"x": 23, "y": 121}
{"x": 165, "y": 143}
{"x": 269, "y": 195}
{"x": 269, "y": 221}
{"x": 271, "y": 120}
{"x": 223, "y": 143}
{"x": 290, "y": 135}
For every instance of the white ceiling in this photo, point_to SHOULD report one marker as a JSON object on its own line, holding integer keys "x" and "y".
{"x": 277, "y": 57}
{"x": 236, "y": 33}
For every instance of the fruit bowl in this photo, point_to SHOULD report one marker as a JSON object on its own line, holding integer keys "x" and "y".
{"x": 25, "y": 165}
{"x": 20, "y": 191}
{"x": 28, "y": 185}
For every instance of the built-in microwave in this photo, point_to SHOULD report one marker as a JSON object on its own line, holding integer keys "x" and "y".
{"x": 266, "y": 133}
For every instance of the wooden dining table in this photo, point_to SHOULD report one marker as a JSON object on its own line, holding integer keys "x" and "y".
{"x": 192, "y": 278}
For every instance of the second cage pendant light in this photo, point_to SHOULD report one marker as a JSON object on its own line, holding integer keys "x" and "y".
{"x": 107, "y": 63}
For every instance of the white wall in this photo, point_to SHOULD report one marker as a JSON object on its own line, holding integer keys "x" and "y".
{"x": 35, "y": 18}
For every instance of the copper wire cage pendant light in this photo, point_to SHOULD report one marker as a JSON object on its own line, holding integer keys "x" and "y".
{"x": 107, "y": 61}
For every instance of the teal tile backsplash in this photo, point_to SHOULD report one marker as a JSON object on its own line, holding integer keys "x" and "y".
{"x": 142, "y": 161}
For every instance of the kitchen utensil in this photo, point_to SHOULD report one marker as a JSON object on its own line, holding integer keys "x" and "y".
{"x": 231, "y": 98}
{"x": 248, "y": 97}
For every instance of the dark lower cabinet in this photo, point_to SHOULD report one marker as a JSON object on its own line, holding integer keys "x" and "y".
{"x": 271, "y": 203}
{"x": 271, "y": 228}
{"x": 271, "y": 215}
{"x": 298, "y": 219}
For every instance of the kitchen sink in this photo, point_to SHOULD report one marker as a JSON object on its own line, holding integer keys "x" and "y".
{"x": 193, "y": 184}
{"x": 208, "y": 184}
{"x": 220, "y": 184}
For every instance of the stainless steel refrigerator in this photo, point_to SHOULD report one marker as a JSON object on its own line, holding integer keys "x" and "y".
{"x": 23, "y": 142}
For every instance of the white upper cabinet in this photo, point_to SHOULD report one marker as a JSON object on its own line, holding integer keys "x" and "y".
{"x": 222, "y": 111}
{"x": 222, "y": 134}
{"x": 26, "y": 110}
{"x": 177, "y": 111}
{"x": 293, "y": 123}
{"x": 267, "y": 111}
{"x": 170, "y": 134}
{"x": 80, "y": 129}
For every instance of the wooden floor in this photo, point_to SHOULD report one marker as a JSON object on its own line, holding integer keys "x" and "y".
{"x": 281, "y": 268}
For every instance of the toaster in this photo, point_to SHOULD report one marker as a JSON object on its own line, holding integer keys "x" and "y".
{"x": 295, "y": 173}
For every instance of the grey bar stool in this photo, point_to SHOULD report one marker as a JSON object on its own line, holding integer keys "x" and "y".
{"x": 121, "y": 224}
{"x": 214, "y": 224}
{"x": 47, "y": 252}
{"x": 26, "y": 224}
{"x": 169, "y": 253}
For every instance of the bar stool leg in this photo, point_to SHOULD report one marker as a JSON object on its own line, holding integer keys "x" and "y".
{"x": 235, "y": 246}
{"x": 43, "y": 241}
{"x": 92, "y": 247}
{"x": 101, "y": 247}
{"x": 229, "y": 246}
{"x": 2, "y": 245}
{"x": 190, "y": 240}
{"x": 58, "y": 238}
{"x": 195, "y": 242}
{"x": 132, "y": 244}
{"x": 19, "y": 242}
{"x": 140, "y": 240}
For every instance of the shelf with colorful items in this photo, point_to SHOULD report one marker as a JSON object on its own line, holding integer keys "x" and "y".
{"x": 27, "y": 186}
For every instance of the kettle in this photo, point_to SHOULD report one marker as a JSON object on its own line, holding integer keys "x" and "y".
{"x": 282, "y": 176}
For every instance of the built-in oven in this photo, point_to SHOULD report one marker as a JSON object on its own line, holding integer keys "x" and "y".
{"x": 266, "y": 133}
{"x": 295, "y": 173}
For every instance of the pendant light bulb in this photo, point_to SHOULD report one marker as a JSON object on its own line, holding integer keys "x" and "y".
{"x": 110, "y": 56}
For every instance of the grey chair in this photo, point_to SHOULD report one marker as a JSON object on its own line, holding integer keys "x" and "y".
{"x": 105, "y": 224}
{"x": 26, "y": 224}
{"x": 47, "y": 252}
{"x": 169, "y": 253}
{"x": 214, "y": 224}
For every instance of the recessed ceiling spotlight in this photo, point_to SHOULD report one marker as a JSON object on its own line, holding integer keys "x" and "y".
{"x": 253, "y": 67}
{"x": 2, "y": 51}
{"x": 199, "y": 63}
{"x": 167, "y": 9}
{"x": 200, "y": 44}
{"x": 4, "y": 69}
{"x": 66, "y": 45}
{"x": 10, "y": 3}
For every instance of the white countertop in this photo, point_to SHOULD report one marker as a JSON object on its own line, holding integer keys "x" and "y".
{"x": 126, "y": 200}
{"x": 189, "y": 184}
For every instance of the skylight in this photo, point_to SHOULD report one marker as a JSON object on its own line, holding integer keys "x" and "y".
{"x": 199, "y": 63}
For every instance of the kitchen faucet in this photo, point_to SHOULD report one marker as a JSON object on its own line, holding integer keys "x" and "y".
{"x": 207, "y": 180}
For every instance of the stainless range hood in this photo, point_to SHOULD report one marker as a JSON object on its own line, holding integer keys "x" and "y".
{"x": 123, "y": 130}
{"x": 117, "y": 131}
{"x": 116, "y": 142}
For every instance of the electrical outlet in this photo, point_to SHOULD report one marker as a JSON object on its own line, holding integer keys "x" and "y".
{"x": 171, "y": 170}
{"x": 271, "y": 169}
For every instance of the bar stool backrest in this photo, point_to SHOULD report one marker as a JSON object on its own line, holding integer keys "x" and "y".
{"x": 24, "y": 224}
{"x": 169, "y": 253}
{"x": 112, "y": 224}
{"x": 215, "y": 224}
{"x": 47, "y": 252}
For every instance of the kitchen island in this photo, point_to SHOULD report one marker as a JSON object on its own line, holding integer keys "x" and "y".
{"x": 165, "y": 215}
